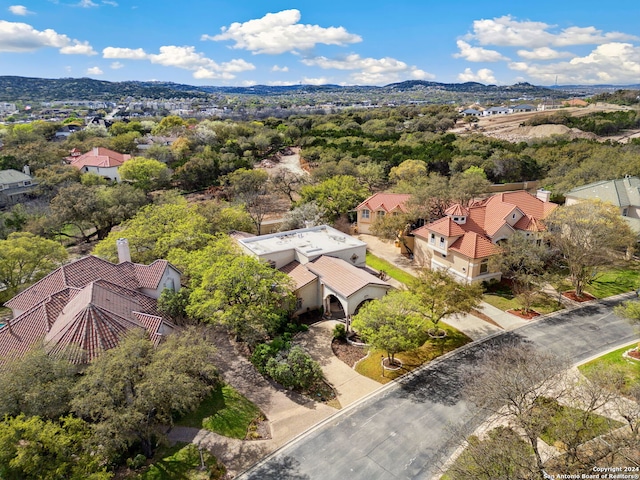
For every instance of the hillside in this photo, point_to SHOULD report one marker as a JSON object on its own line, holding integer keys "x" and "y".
{"x": 42, "y": 89}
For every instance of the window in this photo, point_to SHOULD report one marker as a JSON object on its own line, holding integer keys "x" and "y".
{"x": 484, "y": 266}
{"x": 625, "y": 212}
{"x": 298, "y": 303}
{"x": 365, "y": 213}
{"x": 381, "y": 213}
{"x": 27, "y": 183}
{"x": 456, "y": 219}
{"x": 442, "y": 241}
{"x": 433, "y": 238}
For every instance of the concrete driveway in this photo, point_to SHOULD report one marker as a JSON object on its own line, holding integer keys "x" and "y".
{"x": 407, "y": 429}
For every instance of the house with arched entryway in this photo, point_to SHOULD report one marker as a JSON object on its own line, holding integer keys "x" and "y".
{"x": 327, "y": 266}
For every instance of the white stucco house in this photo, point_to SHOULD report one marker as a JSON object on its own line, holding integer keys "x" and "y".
{"x": 327, "y": 266}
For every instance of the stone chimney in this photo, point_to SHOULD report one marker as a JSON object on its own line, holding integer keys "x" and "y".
{"x": 544, "y": 195}
{"x": 124, "y": 254}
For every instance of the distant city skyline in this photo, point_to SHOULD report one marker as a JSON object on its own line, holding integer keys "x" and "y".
{"x": 242, "y": 43}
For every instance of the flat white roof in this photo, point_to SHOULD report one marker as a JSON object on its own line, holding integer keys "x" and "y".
{"x": 314, "y": 241}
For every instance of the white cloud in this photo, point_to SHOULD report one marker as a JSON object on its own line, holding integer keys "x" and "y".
{"x": 20, "y": 10}
{"x": 94, "y": 71}
{"x": 371, "y": 71}
{"x": 280, "y": 32}
{"x": 477, "y": 54}
{"x": 117, "y": 65}
{"x": 315, "y": 81}
{"x": 86, "y": 4}
{"x": 615, "y": 63}
{"x": 276, "y": 68}
{"x": 280, "y": 83}
{"x": 110, "y": 3}
{"x": 484, "y": 75}
{"x": 124, "y": 53}
{"x": 78, "y": 48}
{"x": 543, "y": 53}
{"x": 506, "y": 31}
{"x": 22, "y": 37}
{"x": 184, "y": 57}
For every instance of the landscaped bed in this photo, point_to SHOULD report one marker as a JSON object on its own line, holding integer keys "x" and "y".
{"x": 372, "y": 365}
{"x": 501, "y": 296}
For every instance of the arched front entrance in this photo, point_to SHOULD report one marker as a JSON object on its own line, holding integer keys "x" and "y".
{"x": 333, "y": 308}
{"x": 364, "y": 302}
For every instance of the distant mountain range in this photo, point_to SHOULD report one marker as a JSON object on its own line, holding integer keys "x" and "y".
{"x": 27, "y": 89}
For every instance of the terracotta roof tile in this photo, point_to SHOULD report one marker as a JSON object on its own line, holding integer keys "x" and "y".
{"x": 388, "y": 202}
{"x": 99, "y": 157}
{"x": 457, "y": 210}
{"x": 84, "y": 308}
{"x": 299, "y": 273}
{"x": 341, "y": 276}
{"x": 445, "y": 226}
{"x": 473, "y": 245}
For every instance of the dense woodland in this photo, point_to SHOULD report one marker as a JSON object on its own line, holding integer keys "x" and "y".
{"x": 347, "y": 156}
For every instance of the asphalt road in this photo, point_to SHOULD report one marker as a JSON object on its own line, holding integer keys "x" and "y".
{"x": 407, "y": 429}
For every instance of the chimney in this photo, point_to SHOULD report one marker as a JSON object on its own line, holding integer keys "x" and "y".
{"x": 544, "y": 195}
{"x": 26, "y": 170}
{"x": 124, "y": 254}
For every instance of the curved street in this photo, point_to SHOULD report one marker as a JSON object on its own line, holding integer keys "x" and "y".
{"x": 406, "y": 429}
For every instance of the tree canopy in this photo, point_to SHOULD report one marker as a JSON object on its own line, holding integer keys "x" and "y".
{"x": 589, "y": 235}
{"x": 393, "y": 323}
{"x": 26, "y": 258}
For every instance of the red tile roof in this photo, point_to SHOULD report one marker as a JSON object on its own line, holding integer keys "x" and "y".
{"x": 86, "y": 270}
{"x": 445, "y": 226}
{"x": 457, "y": 210}
{"x": 84, "y": 308}
{"x": 99, "y": 157}
{"x": 341, "y": 276}
{"x": 473, "y": 245}
{"x": 485, "y": 218}
{"x": 388, "y": 202}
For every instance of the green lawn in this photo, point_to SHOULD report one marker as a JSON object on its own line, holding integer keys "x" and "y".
{"x": 182, "y": 461}
{"x": 225, "y": 411}
{"x": 615, "y": 281}
{"x": 543, "y": 304}
{"x": 433, "y": 348}
{"x": 391, "y": 270}
{"x": 596, "y": 425}
{"x": 630, "y": 368}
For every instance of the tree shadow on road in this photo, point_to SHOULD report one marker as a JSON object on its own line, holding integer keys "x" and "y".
{"x": 280, "y": 468}
{"x": 442, "y": 382}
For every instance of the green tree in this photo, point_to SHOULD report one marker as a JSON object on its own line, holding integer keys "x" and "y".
{"x": 336, "y": 196}
{"x": 131, "y": 392}
{"x": 125, "y": 142}
{"x": 157, "y": 229}
{"x": 26, "y": 258}
{"x": 101, "y": 208}
{"x": 468, "y": 185}
{"x": 223, "y": 217}
{"x": 294, "y": 368}
{"x": 393, "y": 323}
{"x": 590, "y": 235}
{"x": 440, "y": 295}
{"x": 145, "y": 173}
{"x": 170, "y": 125}
{"x": 199, "y": 172}
{"x": 35, "y": 449}
{"x": 37, "y": 385}
{"x": 524, "y": 262}
{"x": 245, "y": 294}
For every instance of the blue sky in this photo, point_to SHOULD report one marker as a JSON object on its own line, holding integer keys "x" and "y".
{"x": 277, "y": 42}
